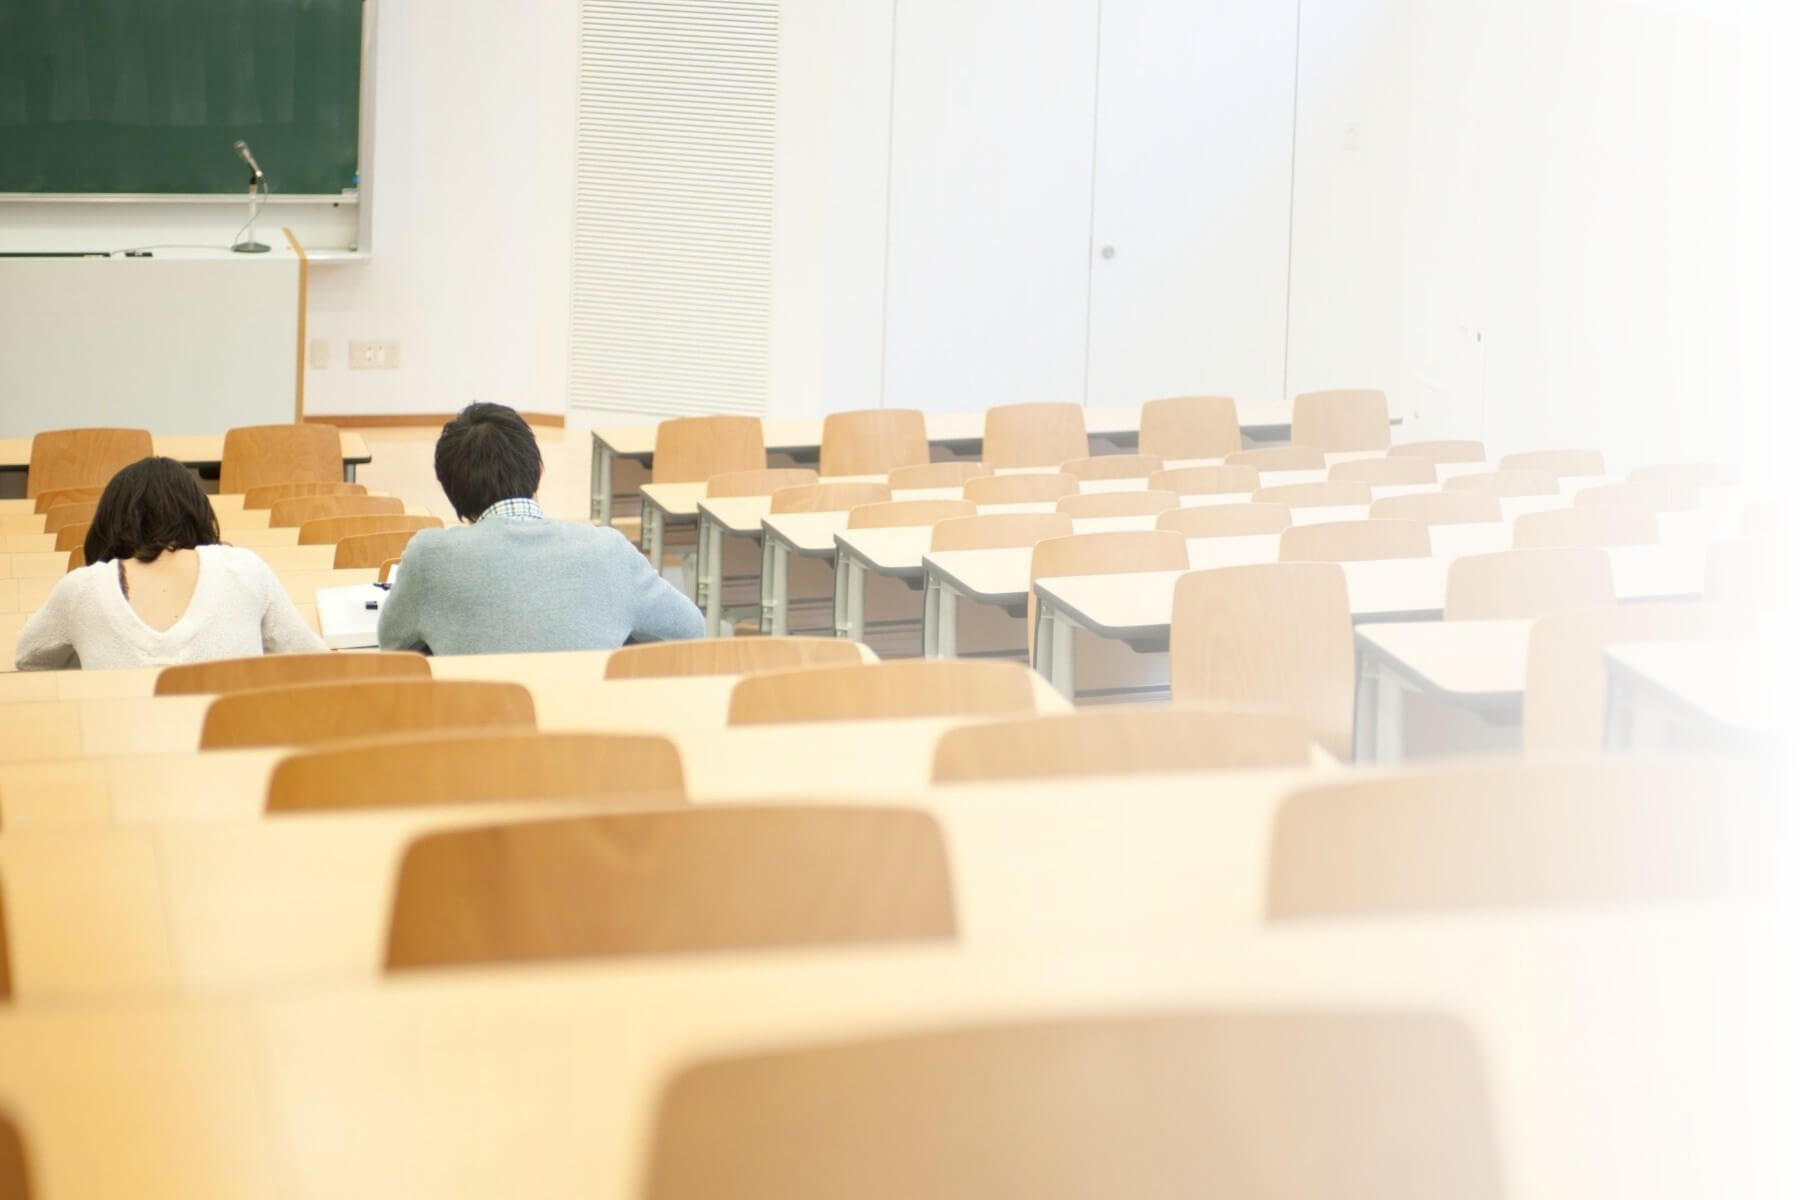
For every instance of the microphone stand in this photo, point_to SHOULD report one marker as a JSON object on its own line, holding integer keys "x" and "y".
{"x": 250, "y": 245}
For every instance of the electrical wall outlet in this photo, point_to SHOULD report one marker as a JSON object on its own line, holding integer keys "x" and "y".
{"x": 370, "y": 356}
{"x": 319, "y": 353}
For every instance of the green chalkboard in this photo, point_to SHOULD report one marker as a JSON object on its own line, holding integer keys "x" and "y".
{"x": 148, "y": 95}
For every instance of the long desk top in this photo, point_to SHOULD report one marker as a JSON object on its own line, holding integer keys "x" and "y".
{"x": 1725, "y": 685}
{"x": 192, "y": 450}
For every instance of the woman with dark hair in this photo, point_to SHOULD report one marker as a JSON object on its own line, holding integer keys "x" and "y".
{"x": 159, "y": 588}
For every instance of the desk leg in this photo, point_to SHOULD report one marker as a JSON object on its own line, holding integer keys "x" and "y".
{"x": 651, "y": 536}
{"x": 767, "y": 584}
{"x": 1378, "y": 734}
{"x": 600, "y": 485}
{"x": 858, "y": 581}
{"x": 778, "y": 588}
{"x": 1618, "y": 729}
{"x": 840, "y": 596}
{"x": 929, "y": 621}
{"x": 349, "y": 472}
{"x": 946, "y": 629}
{"x": 1364, "y": 717}
{"x": 712, "y": 573}
{"x": 1056, "y": 649}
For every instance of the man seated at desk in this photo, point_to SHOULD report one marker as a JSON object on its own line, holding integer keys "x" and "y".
{"x": 510, "y": 580}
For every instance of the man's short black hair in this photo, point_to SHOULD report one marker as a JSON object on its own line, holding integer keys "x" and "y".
{"x": 485, "y": 455}
{"x": 153, "y": 505}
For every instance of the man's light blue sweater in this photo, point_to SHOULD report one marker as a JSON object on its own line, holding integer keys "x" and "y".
{"x": 505, "y": 585}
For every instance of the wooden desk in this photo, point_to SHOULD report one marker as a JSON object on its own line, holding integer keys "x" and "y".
{"x": 1694, "y": 696}
{"x": 199, "y": 451}
{"x": 1478, "y": 666}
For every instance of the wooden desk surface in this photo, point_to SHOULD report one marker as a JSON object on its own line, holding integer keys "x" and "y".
{"x": 1728, "y": 684}
{"x": 1464, "y": 659}
{"x": 1623, "y": 1051}
{"x": 194, "y": 450}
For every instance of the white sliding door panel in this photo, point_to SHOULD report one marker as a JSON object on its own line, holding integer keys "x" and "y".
{"x": 989, "y": 202}
{"x": 1193, "y": 190}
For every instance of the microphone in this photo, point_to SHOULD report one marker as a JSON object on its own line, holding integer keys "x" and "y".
{"x": 243, "y": 152}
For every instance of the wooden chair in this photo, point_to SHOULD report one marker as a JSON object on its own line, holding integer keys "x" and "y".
{"x": 1112, "y": 466}
{"x": 1688, "y": 475}
{"x": 673, "y": 881}
{"x": 223, "y": 676}
{"x": 329, "y": 531}
{"x": 1226, "y": 520}
{"x": 694, "y": 449}
{"x": 891, "y": 513}
{"x": 255, "y": 455}
{"x": 1745, "y": 571}
{"x": 764, "y": 481}
{"x": 1286, "y": 1104}
{"x": 5, "y": 964}
{"x": 72, "y": 537}
{"x": 1020, "y": 489}
{"x": 311, "y": 713}
{"x": 997, "y": 531}
{"x": 936, "y": 475}
{"x": 1440, "y": 508}
{"x": 64, "y": 515}
{"x": 1033, "y": 435}
{"x": 1516, "y": 481}
{"x": 1557, "y": 462}
{"x": 1190, "y": 427}
{"x": 467, "y": 767}
{"x": 1342, "y": 420}
{"x": 1565, "y": 669}
{"x": 827, "y": 497}
{"x": 1454, "y": 451}
{"x": 371, "y": 549}
{"x": 15, "y": 1166}
{"x": 1522, "y": 834}
{"x": 82, "y": 458}
{"x": 1118, "y": 504}
{"x": 298, "y": 510}
{"x": 387, "y": 570}
{"x": 52, "y": 497}
{"x": 1355, "y": 541}
{"x": 1206, "y": 480}
{"x": 1119, "y": 741}
{"x": 265, "y": 495}
{"x": 1114, "y": 553}
{"x": 901, "y": 688}
{"x": 1279, "y": 458}
{"x": 728, "y": 656}
{"x": 873, "y": 441}
{"x": 1519, "y": 584}
{"x": 77, "y": 554}
{"x": 1331, "y": 493}
{"x": 1386, "y": 471}
{"x": 1659, "y": 496}
{"x": 1587, "y": 525}
{"x": 1267, "y": 636}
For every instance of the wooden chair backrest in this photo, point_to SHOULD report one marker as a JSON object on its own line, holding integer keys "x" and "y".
{"x": 1520, "y": 834}
{"x": 255, "y": 455}
{"x": 1448, "y": 451}
{"x": 77, "y": 554}
{"x": 1659, "y": 496}
{"x": 728, "y": 656}
{"x": 72, "y": 537}
{"x": 1329, "y": 493}
{"x": 1440, "y": 508}
{"x": 1119, "y": 741}
{"x": 371, "y": 549}
{"x": 1113, "y": 553}
{"x": 1687, "y": 475}
{"x": 827, "y": 497}
{"x": 298, "y": 510}
{"x": 1033, "y": 435}
{"x": 1565, "y": 668}
{"x": 5, "y": 956}
{"x": 1745, "y": 571}
{"x": 1342, "y": 419}
{"x": 764, "y": 481}
{"x": 1207, "y": 480}
{"x": 1268, "y": 636}
{"x": 1356, "y": 541}
{"x": 468, "y": 766}
{"x": 1190, "y": 427}
{"x": 998, "y": 531}
{"x": 873, "y": 441}
{"x": 1280, "y": 1105}
{"x": 1387, "y": 470}
{"x": 1557, "y": 462}
{"x": 936, "y": 475}
{"x": 311, "y": 713}
{"x": 80, "y": 512}
{"x": 694, "y": 449}
{"x": 1587, "y": 525}
{"x": 81, "y": 458}
{"x": 387, "y": 570}
{"x": 329, "y": 531}
{"x": 15, "y": 1165}
{"x": 1279, "y": 458}
{"x": 1112, "y": 466}
{"x": 1020, "y": 489}
{"x": 222, "y": 676}
{"x": 52, "y": 497}
{"x": 1512, "y": 481}
{"x": 265, "y": 495}
{"x": 900, "y": 688}
{"x": 680, "y": 880}
{"x": 1226, "y": 520}
{"x": 1519, "y": 584}
{"x": 1118, "y": 504}
{"x": 891, "y": 513}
